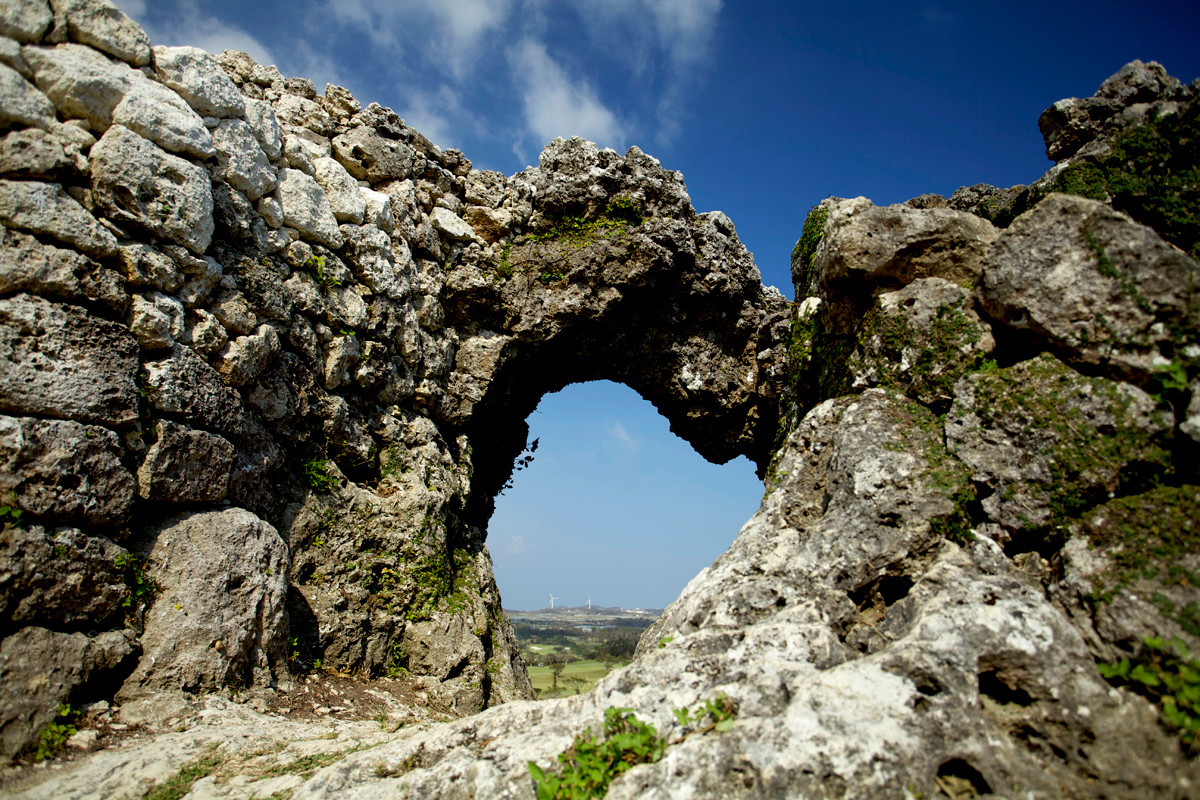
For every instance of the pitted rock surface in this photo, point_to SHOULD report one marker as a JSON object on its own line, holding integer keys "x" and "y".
{"x": 255, "y": 415}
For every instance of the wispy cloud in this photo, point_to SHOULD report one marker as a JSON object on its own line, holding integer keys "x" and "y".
{"x": 619, "y": 435}
{"x": 556, "y": 105}
{"x": 186, "y": 24}
{"x": 513, "y": 544}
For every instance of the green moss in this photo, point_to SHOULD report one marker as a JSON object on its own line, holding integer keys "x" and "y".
{"x": 1044, "y": 395}
{"x": 924, "y": 433}
{"x": 181, "y": 783}
{"x": 577, "y": 230}
{"x": 806, "y": 248}
{"x": 1152, "y": 173}
{"x": 1146, "y": 537}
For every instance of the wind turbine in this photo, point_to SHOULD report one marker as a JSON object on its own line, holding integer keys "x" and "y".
{"x": 589, "y": 602}
{"x": 552, "y": 599}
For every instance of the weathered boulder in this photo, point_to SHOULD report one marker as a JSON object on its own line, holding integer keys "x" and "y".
{"x": 105, "y": 27}
{"x": 241, "y": 162}
{"x": 185, "y": 465}
{"x": 199, "y": 80}
{"x": 261, "y": 119}
{"x": 155, "y": 320}
{"x": 306, "y": 208}
{"x": 21, "y": 102}
{"x": 28, "y": 265}
{"x": 153, "y": 111}
{"x": 40, "y": 669}
{"x": 32, "y": 152}
{"x": 64, "y": 471}
{"x": 184, "y": 384}
{"x": 1046, "y": 442}
{"x": 342, "y": 190}
{"x": 80, "y": 81}
{"x": 25, "y": 20}
{"x": 60, "y": 361}
{"x": 45, "y": 208}
{"x": 373, "y": 158}
{"x": 217, "y": 615}
{"x": 135, "y": 181}
{"x": 1094, "y": 285}
{"x": 60, "y": 577}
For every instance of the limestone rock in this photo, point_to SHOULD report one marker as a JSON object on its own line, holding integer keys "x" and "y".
{"x": 301, "y": 112}
{"x": 64, "y": 471}
{"x": 60, "y": 361}
{"x": 261, "y": 119}
{"x": 25, "y": 20}
{"x": 490, "y": 224}
{"x": 33, "y": 153}
{"x": 343, "y": 192}
{"x": 242, "y": 163}
{"x": 142, "y": 265}
{"x": 246, "y": 356}
{"x": 373, "y": 158}
{"x": 185, "y": 466}
{"x": 451, "y": 225}
{"x": 135, "y": 181}
{"x": 105, "y": 27}
{"x": 153, "y": 111}
{"x": 199, "y": 79}
{"x": 306, "y": 208}
{"x": 27, "y": 265}
{"x": 80, "y": 81}
{"x": 371, "y": 252}
{"x": 920, "y": 340}
{"x": 184, "y": 384}
{"x": 378, "y": 210}
{"x": 1075, "y": 275}
{"x": 866, "y": 247}
{"x": 46, "y": 208}
{"x": 41, "y": 669}
{"x": 60, "y": 577}
{"x": 156, "y": 320}
{"x": 1048, "y": 442}
{"x": 21, "y": 102}
{"x": 218, "y": 616}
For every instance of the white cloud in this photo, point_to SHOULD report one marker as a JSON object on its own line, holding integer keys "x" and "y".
{"x": 621, "y": 436}
{"x": 186, "y": 24}
{"x": 555, "y": 105}
{"x": 450, "y": 32}
{"x": 514, "y": 544}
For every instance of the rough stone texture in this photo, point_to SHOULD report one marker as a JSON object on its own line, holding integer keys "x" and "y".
{"x": 185, "y": 466}
{"x": 28, "y": 265}
{"x": 1095, "y": 285}
{"x": 102, "y": 25}
{"x": 33, "y": 153}
{"x": 59, "y": 361}
{"x": 46, "y": 208}
{"x": 80, "y": 81}
{"x": 40, "y": 669}
{"x": 307, "y": 209}
{"x": 21, "y": 102}
{"x": 184, "y": 384}
{"x": 25, "y": 20}
{"x": 373, "y": 158}
{"x": 343, "y": 192}
{"x": 59, "y": 576}
{"x": 920, "y": 340}
{"x": 261, "y": 119}
{"x": 868, "y": 248}
{"x": 1046, "y": 441}
{"x": 199, "y": 79}
{"x": 153, "y": 111}
{"x": 243, "y": 164}
{"x": 134, "y": 181}
{"x": 217, "y": 617}
{"x": 63, "y": 471}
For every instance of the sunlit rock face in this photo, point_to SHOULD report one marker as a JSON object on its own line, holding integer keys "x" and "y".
{"x": 265, "y": 359}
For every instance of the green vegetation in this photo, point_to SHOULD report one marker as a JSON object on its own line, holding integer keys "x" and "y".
{"x": 806, "y": 248}
{"x": 1148, "y": 537}
{"x": 141, "y": 587}
{"x": 575, "y": 677}
{"x": 618, "y": 216}
{"x": 1044, "y": 394}
{"x": 10, "y": 513}
{"x": 1167, "y": 675}
{"x": 591, "y": 763}
{"x": 179, "y": 785}
{"x": 53, "y": 738}
{"x": 317, "y": 477}
{"x": 317, "y": 265}
{"x": 1152, "y": 173}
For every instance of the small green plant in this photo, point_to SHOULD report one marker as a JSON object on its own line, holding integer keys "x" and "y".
{"x": 316, "y": 475}
{"x": 181, "y": 783}
{"x": 141, "y": 587}
{"x": 806, "y": 248}
{"x": 590, "y": 764}
{"x": 54, "y": 736}
{"x": 11, "y": 514}
{"x": 317, "y": 265}
{"x": 1165, "y": 673}
{"x": 663, "y": 641}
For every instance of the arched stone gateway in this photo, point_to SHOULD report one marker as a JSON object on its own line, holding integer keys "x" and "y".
{"x": 264, "y": 375}
{"x": 265, "y": 358}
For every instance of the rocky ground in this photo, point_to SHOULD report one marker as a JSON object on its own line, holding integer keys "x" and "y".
{"x": 266, "y": 359}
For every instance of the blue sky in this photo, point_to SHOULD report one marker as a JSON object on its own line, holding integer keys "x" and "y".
{"x": 766, "y": 107}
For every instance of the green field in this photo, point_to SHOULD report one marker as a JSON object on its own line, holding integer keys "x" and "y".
{"x": 576, "y": 678}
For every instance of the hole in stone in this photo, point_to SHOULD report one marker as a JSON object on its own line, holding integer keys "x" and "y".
{"x": 613, "y": 506}
{"x": 458, "y": 668}
{"x": 1003, "y": 690}
{"x": 960, "y": 780}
